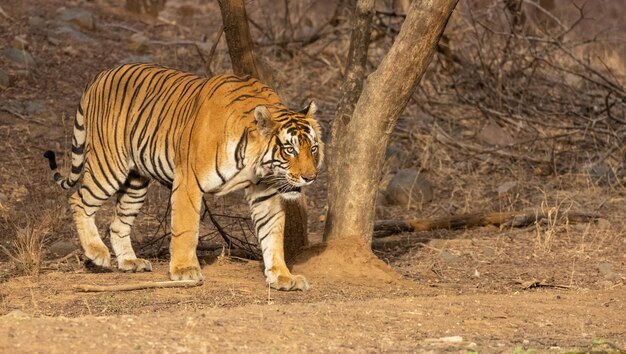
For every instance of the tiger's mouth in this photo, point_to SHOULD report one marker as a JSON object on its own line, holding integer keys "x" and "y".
{"x": 282, "y": 185}
{"x": 288, "y": 188}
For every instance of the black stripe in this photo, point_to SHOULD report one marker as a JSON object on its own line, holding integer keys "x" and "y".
{"x": 87, "y": 204}
{"x": 125, "y": 223}
{"x": 77, "y": 169}
{"x": 78, "y": 126}
{"x": 217, "y": 169}
{"x": 78, "y": 150}
{"x": 195, "y": 175}
{"x": 85, "y": 187}
{"x": 258, "y": 227}
{"x": 242, "y": 86}
{"x": 264, "y": 198}
{"x": 138, "y": 201}
{"x": 240, "y": 150}
{"x": 240, "y": 98}
{"x": 263, "y": 238}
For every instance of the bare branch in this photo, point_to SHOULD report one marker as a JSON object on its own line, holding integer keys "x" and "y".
{"x": 139, "y": 286}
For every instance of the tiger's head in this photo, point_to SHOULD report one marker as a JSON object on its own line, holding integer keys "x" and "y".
{"x": 294, "y": 150}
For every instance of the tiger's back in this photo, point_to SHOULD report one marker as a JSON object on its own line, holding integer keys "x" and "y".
{"x": 140, "y": 116}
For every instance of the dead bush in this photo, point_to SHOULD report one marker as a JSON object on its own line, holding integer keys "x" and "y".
{"x": 26, "y": 251}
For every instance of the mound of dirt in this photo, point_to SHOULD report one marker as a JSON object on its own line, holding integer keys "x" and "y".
{"x": 345, "y": 261}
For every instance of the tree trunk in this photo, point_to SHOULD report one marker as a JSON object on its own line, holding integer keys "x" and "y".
{"x": 238, "y": 37}
{"x": 242, "y": 57}
{"x": 359, "y": 140}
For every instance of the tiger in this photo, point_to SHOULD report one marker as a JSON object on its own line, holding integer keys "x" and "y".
{"x": 139, "y": 123}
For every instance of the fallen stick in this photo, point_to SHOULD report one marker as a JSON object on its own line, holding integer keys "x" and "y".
{"x": 384, "y": 228}
{"x": 139, "y": 286}
{"x": 64, "y": 258}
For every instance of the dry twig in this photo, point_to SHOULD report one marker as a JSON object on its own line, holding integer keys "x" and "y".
{"x": 139, "y": 286}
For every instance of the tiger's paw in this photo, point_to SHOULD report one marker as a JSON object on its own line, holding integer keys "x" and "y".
{"x": 186, "y": 273}
{"x": 288, "y": 282}
{"x": 99, "y": 255}
{"x": 134, "y": 265}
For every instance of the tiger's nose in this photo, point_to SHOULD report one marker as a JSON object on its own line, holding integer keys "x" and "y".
{"x": 309, "y": 178}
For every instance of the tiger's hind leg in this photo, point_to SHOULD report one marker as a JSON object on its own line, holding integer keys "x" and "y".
{"x": 85, "y": 202}
{"x": 129, "y": 200}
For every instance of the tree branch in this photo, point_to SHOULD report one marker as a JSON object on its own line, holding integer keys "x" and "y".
{"x": 384, "y": 228}
{"x": 139, "y": 286}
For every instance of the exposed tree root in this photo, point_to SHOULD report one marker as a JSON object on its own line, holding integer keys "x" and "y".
{"x": 345, "y": 262}
{"x": 139, "y": 286}
{"x": 384, "y": 228}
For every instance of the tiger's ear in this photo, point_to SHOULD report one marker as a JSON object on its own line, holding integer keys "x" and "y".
{"x": 310, "y": 110}
{"x": 264, "y": 121}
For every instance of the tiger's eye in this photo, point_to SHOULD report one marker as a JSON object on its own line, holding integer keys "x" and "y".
{"x": 290, "y": 150}
{"x": 314, "y": 149}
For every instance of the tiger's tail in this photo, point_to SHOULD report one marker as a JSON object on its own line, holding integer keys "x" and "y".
{"x": 78, "y": 154}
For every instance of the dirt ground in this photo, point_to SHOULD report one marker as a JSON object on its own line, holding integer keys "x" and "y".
{"x": 557, "y": 287}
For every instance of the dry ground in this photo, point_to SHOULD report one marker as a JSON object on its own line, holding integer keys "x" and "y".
{"x": 543, "y": 288}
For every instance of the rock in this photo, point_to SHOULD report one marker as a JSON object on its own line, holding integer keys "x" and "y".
{"x": 28, "y": 108}
{"x": 34, "y": 107}
{"x": 3, "y": 198}
{"x": 5, "y": 79}
{"x": 601, "y": 174}
{"x": 80, "y": 18}
{"x": 492, "y": 134}
{"x": 395, "y": 157}
{"x": 408, "y": 187}
{"x": 61, "y": 248}
{"x": 68, "y": 32}
{"x": 506, "y": 187}
{"x": 448, "y": 257}
{"x": 606, "y": 269}
{"x": 36, "y": 21}
{"x": 138, "y": 43}
{"x": 19, "y": 57}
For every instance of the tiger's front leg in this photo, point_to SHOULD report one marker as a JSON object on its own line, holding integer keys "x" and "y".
{"x": 269, "y": 223}
{"x": 186, "y": 205}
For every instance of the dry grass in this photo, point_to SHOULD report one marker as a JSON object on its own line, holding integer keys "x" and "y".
{"x": 26, "y": 251}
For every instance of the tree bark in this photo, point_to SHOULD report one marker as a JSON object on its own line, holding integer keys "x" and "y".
{"x": 238, "y": 37}
{"x": 356, "y": 66}
{"x": 243, "y": 62}
{"x": 359, "y": 140}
